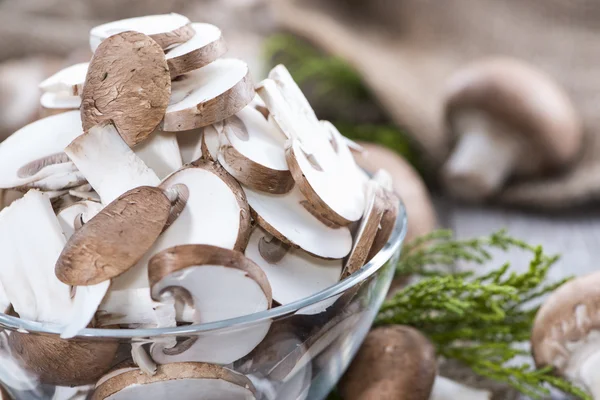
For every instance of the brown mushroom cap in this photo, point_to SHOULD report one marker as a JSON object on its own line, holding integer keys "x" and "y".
{"x": 523, "y": 98}
{"x": 568, "y": 316}
{"x": 394, "y": 362}
{"x": 115, "y": 239}
{"x": 406, "y": 182}
{"x": 63, "y": 362}
{"x": 127, "y": 82}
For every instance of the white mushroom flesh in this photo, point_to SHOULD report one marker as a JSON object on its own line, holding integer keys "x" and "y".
{"x": 205, "y": 34}
{"x": 160, "y": 152}
{"x": 297, "y": 275}
{"x": 148, "y": 25}
{"x": 77, "y": 214}
{"x": 39, "y": 140}
{"x": 286, "y": 215}
{"x": 108, "y": 163}
{"x": 68, "y": 80}
{"x": 60, "y": 101}
{"x": 134, "y": 307}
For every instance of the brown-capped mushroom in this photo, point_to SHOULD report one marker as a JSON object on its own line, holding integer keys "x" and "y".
{"x": 565, "y": 332}
{"x": 128, "y": 83}
{"x": 168, "y": 30}
{"x": 509, "y": 120}
{"x": 406, "y": 182}
{"x": 182, "y": 381}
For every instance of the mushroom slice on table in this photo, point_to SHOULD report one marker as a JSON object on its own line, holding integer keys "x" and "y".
{"x": 36, "y": 151}
{"x": 292, "y": 273}
{"x": 285, "y": 217}
{"x": 253, "y": 152}
{"x": 208, "y": 95}
{"x": 204, "y": 47}
{"x": 181, "y": 381}
{"x": 565, "y": 333}
{"x": 219, "y": 284}
{"x": 73, "y": 217}
{"x": 115, "y": 239}
{"x": 509, "y": 119}
{"x": 128, "y": 83}
{"x": 108, "y": 164}
{"x": 68, "y": 80}
{"x": 160, "y": 152}
{"x": 55, "y": 103}
{"x": 200, "y": 222}
{"x": 167, "y": 30}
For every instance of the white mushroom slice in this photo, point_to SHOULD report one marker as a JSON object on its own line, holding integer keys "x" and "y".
{"x": 72, "y": 393}
{"x": 208, "y": 275}
{"x": 188, "y": 141}
{"x": 167, "y": 30}
{"x": 291, "y": 90}
{"x": 253, "y": 152}
{"x": 208, "y": 147}
{"x": 200, "y": 222}
{"x": 60, "y": 101}
{"x": 31, "y": 249}
{"x": 141, "y": 358}
{"x": 208, "y": 95}
{"x": 181, "y": 381}
{"x": 64, "y": 176}
{"x": 367, "y": 230}
{"x": 284, "y": 217}
{"x": 88, "y": 195}
{"x": 292, "y": 273}
{"x": 205, "y": 47}
{"x": 68, "y": 80}
{"x": 31, "y": 153}
{"x": 134, "y": 308}
{"x": 76, "y": 215}
{"x": 160, "y": 152}
{"x": 85, "y": 303}
{"x": 108, "y": 163}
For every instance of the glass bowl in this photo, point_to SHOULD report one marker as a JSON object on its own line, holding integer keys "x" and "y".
{"x": 296, "y": 351}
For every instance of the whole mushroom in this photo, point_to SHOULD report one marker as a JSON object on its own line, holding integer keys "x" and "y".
{"x": 508, "y": 119}
{"x": 566, "y": 334}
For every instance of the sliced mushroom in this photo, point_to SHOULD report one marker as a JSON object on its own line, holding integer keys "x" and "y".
{"x": 252, "y": 151}
{"x": 85, "y": 192}
{"x": 64, "y": 176}
{"x": 72, "y": 393}
{"x": 128, "y": 83}
{"x": 206, "y": 46}
{"x": 167, "y": 30}
{"x": 108, "y": 163}
{"x": 115, "y": 239}
{"x": 68, "y": 80}
{"x": 210, "y": 275}
{"x": 509, "y": 119}
{"x": 291, "y": 91}
{"x": 134, "y": 308}
{"x": 160, "y": 152}
{"x": 208, "y": 95}
{"x": 181, "y": 381}
{"x": 35, "y": 151}
{"x": 73, "y": 217}
{"x": 285, "y": 217}
{"x": 565, "y": 333}
{"x": 59, "y": 102}
{"x": 318, "y": 157}
{"x": 56, "y": 361}
{"x": 292, "y": 273}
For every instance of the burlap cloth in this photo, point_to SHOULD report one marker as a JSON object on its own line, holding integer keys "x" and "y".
{"x": 406, "y": 49}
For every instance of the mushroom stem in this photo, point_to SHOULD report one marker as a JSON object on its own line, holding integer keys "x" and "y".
{"x": 482, "y": 159}
{"x": 589, "y": 374}
{"x": 447, "y": 389}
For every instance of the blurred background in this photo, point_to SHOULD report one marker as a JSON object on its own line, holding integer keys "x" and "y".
{"x": 385, "y": 71}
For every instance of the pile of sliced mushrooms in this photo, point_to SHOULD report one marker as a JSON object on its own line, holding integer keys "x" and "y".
{"x": 164, "y": 188}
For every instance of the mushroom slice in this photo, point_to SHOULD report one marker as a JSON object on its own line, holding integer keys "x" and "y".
{"x": 160, "y": 152}
{"x": 290, "y": 89}
{"x": 80, "y": 192}
{"x": 72, "y": 393}
{"x": 391, "y": 203}
{"x": 115, "y": 239}
{"x": 210, "y": 275}
{"x": 206, "y": 46}
{"x": 68, "y": 80}
{"x": 167, "y": 30}
{"x": 367, "y": 230}
{"x": 285, "y": 217}
{"x": 64, "y": 176}
{"x": 60, "y": 102}
{"x": 292, "y": 273}
{"x": 252, "y": 151}
{"x": 33, "y": 152}
{"x": 181, "y": 381}
{"x": 73, "y": 217}
{"x": 127, "y": 82}
{"x": 208, "y": 95}
{"x": 133, "y": 307}
{"x": 108, "y": 163}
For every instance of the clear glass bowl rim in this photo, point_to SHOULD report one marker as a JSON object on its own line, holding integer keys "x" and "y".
{"x": 378, "y": 261}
